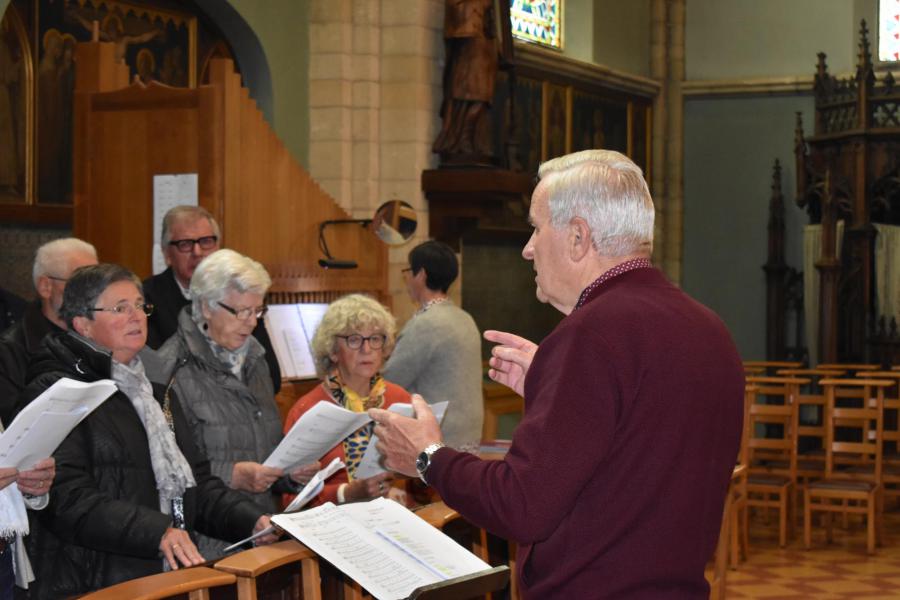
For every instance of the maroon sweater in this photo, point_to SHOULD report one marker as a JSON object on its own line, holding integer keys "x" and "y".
{"x": 616, "y": 478}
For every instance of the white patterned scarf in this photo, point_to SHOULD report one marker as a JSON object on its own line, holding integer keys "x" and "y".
{"x": 172, "y": 471}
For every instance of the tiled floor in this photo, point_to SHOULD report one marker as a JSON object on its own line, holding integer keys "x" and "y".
{"x": 839, "y": 570}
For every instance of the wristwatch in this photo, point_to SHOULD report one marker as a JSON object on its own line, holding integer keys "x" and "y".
{"x": 424, "y": 459}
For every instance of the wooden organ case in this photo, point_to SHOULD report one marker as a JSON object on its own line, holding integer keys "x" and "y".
{"x": 268, "y": 207}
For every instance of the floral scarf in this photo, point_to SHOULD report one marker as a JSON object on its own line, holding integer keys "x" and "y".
{"x": 356, "y": 443}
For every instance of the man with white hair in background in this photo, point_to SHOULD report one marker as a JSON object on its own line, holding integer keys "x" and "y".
{"x": 54, "y": 263}
{"x": 616, "y": 478}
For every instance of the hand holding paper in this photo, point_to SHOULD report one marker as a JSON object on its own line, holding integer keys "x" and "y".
{"x": 42, "y": 425}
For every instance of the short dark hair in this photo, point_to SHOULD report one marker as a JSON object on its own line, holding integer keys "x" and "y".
{"x": 87, "y": 284}
{"x": 439, "y": 262}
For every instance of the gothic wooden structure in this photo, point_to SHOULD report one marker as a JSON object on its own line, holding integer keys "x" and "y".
{"x": 849, "y": 170}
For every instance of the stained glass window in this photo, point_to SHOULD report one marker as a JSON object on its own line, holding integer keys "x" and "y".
{"x": 538, "y": 21}
{"x": 889, "y": 30}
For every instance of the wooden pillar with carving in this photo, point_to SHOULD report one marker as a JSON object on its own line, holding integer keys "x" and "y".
{"x": 829, "y": 267}
{"x": 776, "y": 270}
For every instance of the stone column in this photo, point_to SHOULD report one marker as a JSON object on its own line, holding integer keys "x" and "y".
{"x": 375, "y": 92}
{"x": 674, "y": 165}
{"x": 659, "y": 71}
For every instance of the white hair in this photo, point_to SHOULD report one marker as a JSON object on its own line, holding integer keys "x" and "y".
{"x": 188, "y": 214}
{"x": 52, "y": 259}
{"x": 607, "y": 190}
{"x": 225, "y": 270}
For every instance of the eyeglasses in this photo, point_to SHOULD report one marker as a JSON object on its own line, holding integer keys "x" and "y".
{"x": 207, "y": 242}
{"x": 124, "y": 308}
{"x": 355, "y": 341}
{"x": 55, "y": 278}
{"x": 245, "y": 313}
{"x": 406, "y": 270}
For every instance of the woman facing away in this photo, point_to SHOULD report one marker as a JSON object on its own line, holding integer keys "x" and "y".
{"x": 131, "y": 486}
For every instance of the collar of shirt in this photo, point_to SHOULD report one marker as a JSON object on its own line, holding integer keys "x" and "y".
{"x": 185, "y": 291}
{"x": 628, "y": 265}
{"x": 431, "y": 303}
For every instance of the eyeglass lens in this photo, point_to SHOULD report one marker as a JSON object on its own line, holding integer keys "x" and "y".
{"x": 186, "y": 245}
{"x": 244, "y": 313}
{"x": 355, "y": 341}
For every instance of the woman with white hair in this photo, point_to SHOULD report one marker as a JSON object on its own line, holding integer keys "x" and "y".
{"x": 350, "y": 346}
{"x": 219, "y": 371}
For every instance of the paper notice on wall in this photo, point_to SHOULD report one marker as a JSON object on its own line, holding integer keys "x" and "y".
{"x": 170, "y": 191}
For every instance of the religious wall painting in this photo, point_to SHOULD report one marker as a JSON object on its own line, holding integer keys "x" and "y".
{"x": 556, "y": 120}
{"x": 15, "y": 75}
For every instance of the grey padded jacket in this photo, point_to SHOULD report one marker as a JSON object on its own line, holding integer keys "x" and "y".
{"x": 232, "y": 420}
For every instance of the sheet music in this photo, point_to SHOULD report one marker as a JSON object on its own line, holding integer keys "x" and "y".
{"x": 314, "y": 434}
{"x": 291, "y": 328}
{"x": 371, "y": 462}
{"x": 169, "y": 191}
{"x": 309, "y": 491}
{"x": 39, "y": 429}
{"x": 386, "y": 548}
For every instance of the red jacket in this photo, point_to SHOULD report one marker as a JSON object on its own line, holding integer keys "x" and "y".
{"x": 392, "y": 394}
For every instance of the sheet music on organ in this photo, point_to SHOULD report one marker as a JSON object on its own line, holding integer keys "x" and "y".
{"x": 291, "y": 328}
{"x": 382, "y": 545}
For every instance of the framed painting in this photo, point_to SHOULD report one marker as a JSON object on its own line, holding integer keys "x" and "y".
{"x": 15, "y": 109}
{"x": 157, "y": 45}
{"x": 556, "y": 120}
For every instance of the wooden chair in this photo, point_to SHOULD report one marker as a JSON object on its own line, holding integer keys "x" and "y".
{"x": 850, "y": 366}
{"x": 810, "y": 427}
{"x": 722, "y": 557}
{"x": 195, "y": 582}
{"x": 859, "y": 481}
{"x": 251, "y": 567}
{"x": 772, "y": 452}
{"x": 772, "y": 365}
{"x": 890, "y": 435}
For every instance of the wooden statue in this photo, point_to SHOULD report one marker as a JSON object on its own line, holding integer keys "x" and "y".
{"x": 469, "y": 75}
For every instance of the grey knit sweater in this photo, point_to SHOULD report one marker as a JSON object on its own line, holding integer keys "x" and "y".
{"x": 438, "y": 355}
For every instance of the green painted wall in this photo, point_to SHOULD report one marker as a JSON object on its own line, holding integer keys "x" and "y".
{"x": 283, "y": 30}
{"x": 730, "y": 147}
{"x": 731, "y": 142}
{"x": 622, "y": 35}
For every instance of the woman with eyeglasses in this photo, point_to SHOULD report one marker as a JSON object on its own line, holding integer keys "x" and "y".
{"x": 131, "y": 486}
{"x": 219, "y": 370}
{"x": 349, "y": 347}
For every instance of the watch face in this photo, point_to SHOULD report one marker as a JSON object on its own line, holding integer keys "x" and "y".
{"x": 422, "y": 462}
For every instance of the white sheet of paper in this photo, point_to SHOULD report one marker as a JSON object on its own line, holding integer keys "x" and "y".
{"x": 314, "y": 434}
{"x": 291, "y": 328}
{"x": 371, "y": 462}
{"x": 314, "y": 485}
{"x": 382, "y": 545}
{"x": 170, "y": 191}
{"x": 36, "y": 432}
{"x": 309, "y": 491}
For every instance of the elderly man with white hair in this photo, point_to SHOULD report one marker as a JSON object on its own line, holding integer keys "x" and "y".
{"x": 617, "y": 475}
{"x": 54, "y": 263}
